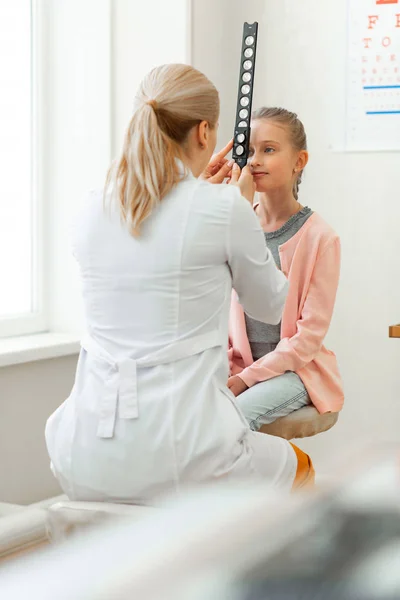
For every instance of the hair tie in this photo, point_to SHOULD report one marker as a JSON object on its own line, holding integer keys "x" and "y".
{"x": 153, "y": 104}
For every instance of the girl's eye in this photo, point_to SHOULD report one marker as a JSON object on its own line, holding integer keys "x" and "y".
{"x": 269, "y": 150}
{"x": 251, "y": 152}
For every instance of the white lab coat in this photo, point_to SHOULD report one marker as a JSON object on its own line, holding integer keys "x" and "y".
{"x": 150, "y": 411}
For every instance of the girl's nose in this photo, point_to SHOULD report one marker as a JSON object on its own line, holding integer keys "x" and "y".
{"x": 254, "y": 161}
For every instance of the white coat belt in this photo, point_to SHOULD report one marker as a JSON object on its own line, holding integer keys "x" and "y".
{"x": 120, "y": 388}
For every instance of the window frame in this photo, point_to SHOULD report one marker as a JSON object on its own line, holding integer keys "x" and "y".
{"x": 35, "y": 321}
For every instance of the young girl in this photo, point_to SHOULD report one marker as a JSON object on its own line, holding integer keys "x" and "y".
{"x": 277, "y": 369}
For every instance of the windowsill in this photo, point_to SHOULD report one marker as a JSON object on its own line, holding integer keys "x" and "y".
{"x": 18, "y": 350}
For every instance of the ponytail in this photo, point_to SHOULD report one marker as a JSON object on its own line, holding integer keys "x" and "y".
{"x": 296, "y": 185}
{"x": 172, "y": 99}
{"x": 147, "y": 168}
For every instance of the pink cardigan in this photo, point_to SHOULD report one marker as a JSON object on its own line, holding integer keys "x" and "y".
{"x": 311, "y": 262}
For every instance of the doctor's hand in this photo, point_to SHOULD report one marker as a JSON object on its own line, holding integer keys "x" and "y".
{"x": 219, "y": 168}
{"x": 245, "y": 182}
{"x": 237, "y": 385}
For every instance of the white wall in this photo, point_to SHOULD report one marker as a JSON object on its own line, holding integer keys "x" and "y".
{"x": 77, "y": 143}
{"x": 135, "y": 52}
{"x": 301, "y": 65}
{"x": 214, "y": 41}
{"x": 29, "y": 394}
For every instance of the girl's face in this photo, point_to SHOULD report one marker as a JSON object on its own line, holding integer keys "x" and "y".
{"x": 274, "y": 162}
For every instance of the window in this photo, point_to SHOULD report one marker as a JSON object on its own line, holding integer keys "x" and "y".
{"x": 67, "y": 85}
{"x": 20, "y": 297}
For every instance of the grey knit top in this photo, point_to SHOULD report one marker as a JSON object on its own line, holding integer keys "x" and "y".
{"x": 264, "y": 338}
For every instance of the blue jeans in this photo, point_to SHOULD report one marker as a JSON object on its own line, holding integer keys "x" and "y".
{"x": 269, "y": 400}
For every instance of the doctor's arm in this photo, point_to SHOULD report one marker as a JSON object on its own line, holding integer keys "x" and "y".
{"x": 260, "y": 286}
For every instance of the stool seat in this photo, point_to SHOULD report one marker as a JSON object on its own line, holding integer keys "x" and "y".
{"x": 305, "y": 422}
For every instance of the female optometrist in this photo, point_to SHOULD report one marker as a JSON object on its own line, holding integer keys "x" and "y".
{"x": 150, "y": 411}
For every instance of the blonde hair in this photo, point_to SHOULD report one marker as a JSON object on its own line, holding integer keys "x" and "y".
{"x": 171, "y": 100}
{"x": 296, "y": 129}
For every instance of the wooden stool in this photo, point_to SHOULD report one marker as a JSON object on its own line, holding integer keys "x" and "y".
{"x": 305, "y": 422}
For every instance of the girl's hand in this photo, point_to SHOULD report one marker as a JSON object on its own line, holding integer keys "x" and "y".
{"x": 219, "y": 168}
{"x": 237, "y": 385}
{"x": 245, "y": 182}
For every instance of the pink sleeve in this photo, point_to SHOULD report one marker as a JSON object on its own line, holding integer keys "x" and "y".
{"x": 236, "y": 362}
{"x": 293, "y": 353}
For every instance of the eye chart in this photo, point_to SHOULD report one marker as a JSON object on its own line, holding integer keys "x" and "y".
{"x": 373, "y": 89}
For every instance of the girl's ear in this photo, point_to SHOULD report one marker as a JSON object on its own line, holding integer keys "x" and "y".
{"x": 302, "y": 160}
